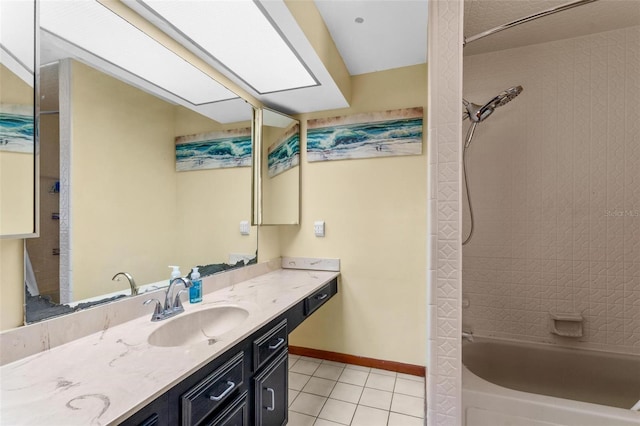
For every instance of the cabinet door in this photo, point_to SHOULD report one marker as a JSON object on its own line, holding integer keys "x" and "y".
{"x": 237, "y": 414}
{"x": 271, "y": 393}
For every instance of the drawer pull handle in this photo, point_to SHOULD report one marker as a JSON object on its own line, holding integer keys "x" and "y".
{"x": 322, "y": 296}
{"x": 226, "y": 392}
{"x": 273, "y": 400}
{"x": 277, "y": 345}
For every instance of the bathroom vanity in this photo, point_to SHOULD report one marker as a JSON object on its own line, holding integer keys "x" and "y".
{"x": 203, "y": 375}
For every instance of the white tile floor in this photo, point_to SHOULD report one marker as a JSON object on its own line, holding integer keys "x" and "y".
{"x": 326, "y": 393}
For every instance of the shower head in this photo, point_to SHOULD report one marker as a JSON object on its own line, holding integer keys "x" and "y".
{"x": 506, "y": 96}
{"x": 477, "y": 113}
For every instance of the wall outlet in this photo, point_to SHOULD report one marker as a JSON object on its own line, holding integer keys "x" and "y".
{"x": 244, "y": 227}
{"x": 318, "y": 228}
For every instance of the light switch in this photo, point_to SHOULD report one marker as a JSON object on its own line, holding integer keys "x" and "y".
{"x": 244, "y": 227}
{"x": 318, "y": 228}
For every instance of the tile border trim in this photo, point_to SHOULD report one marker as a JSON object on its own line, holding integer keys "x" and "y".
{"x": 398, "y": 367}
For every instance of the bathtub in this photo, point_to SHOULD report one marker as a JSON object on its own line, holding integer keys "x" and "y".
{"x": 506, "y": 383}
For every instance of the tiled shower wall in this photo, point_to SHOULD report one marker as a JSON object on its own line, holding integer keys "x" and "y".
{"x": 555, "y": 187}
{"x": 444, "y": 215}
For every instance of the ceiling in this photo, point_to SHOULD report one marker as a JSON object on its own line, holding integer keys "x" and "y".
{"x": 599, "y": 16}
{"x": 394, "y": 32}
{"x": 376, "y": 35}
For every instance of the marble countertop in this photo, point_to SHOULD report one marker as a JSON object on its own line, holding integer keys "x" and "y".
{"x": 107, "y": 376}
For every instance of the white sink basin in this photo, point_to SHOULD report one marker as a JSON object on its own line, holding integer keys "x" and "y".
{"x": 200, "y": 326}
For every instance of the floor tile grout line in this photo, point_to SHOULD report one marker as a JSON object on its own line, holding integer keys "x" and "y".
{"x": 354, "y": 413}
{"x": 358, "y": 404}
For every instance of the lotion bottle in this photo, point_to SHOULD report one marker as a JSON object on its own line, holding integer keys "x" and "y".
{"x": 195, "y": 291}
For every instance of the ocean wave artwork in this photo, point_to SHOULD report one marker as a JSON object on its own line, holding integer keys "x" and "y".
{"x": 215, "y": 150}
{"x": 285, "y": 153}
{"x": 16, "y": 128}
{"x": 381, "y": 134}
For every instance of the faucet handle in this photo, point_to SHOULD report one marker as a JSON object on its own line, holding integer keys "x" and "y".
{"x": 177, "y": 304}
{"x": 157, "y": 311}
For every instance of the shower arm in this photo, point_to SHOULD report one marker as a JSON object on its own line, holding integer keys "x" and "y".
{"x": 525, "y": 19}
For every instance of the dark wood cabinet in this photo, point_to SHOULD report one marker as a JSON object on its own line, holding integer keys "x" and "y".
{"x": 237, "y": 414}
{"x": 213, "y": 391}
{"x": 271, "y": 390}
{"x": 245, "y": 386}
{"x": 270, "y": 344}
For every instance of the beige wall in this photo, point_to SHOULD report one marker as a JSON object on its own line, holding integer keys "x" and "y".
{"x": 16, "y": 193}
{"x": 123, "y": 205}
{"x": 554, "y": 178}
{"x": 11, "y": 283}
{"x": 16, "y": 190}
{"x": 375, "y": 212}
{"x": 16, "y": 168}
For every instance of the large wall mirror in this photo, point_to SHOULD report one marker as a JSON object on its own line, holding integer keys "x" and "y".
{"x": 145, "y": 163}
{"x": 18, "y": 130}
{"x": 277, "y": 199}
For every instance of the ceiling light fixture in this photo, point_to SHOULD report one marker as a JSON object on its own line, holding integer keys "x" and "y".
{"x": 240, "y": 36}
{"x": 96, "y": 29}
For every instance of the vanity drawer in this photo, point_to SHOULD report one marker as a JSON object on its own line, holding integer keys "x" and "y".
{"x": 211, "y": 392}
{"x": 269, "y": 344}
{"x": 237, "y": 414}
{"x": 317, "y": 299}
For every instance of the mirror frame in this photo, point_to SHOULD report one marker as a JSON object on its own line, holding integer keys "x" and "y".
{"x": 35, "y": 231}
{"x": 256, "y": 182}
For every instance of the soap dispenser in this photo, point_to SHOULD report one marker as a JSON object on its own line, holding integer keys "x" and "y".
{"x": 195, "y": 291}
{"x": 175, "y": 273}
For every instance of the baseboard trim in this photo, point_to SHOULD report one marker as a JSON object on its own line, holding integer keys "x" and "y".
{"x": 398, "y": 367}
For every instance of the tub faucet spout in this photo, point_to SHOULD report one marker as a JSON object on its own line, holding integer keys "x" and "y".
{"x": 467, "y": 335}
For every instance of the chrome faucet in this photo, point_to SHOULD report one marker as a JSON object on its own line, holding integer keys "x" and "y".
{"x": 132, "y": 283}
{"x": 177, "y": 303}
{"x": 171, "y": 308}
{"x": 467, "y": 335}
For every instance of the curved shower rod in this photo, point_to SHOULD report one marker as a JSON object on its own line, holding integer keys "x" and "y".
{"x": 519, "y": 21}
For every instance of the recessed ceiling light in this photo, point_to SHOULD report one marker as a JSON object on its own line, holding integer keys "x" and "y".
{"x": 96, "y": 29}
{"x": 359, "y": 20}
{"x": 240, "y": 36}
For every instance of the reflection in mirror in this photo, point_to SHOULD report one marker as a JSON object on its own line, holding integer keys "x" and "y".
{"x": 117, "y": 201}
{"x": 280, "y": 179}
{"x": 18, "y": 139}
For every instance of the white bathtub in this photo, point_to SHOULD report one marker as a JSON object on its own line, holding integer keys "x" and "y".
{"x": 580, "y": 383}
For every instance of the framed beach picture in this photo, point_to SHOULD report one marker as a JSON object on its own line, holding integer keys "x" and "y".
{"x": 284, "y": 154}
{"x": 16, "y": 128}
{"x": 214, "y": 150}
{"x": 367, "y": 135}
